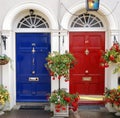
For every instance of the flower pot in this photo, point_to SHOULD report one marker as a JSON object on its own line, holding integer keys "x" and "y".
{"x": 62, "y": 111}
{"x": 1, "y": 109}
{"x": 117, "y": 109}
{"x": 3, "y": 61}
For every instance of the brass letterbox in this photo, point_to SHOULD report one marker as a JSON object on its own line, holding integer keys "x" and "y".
{"x": 86, "y": 78}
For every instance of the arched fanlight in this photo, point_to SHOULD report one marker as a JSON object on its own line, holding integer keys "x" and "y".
{"x": 92, "y": 5}
{"x": 33, "y": 21}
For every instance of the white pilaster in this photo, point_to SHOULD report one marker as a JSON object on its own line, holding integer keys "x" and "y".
{"x": 111, "y": 78}
{"x": 8, "y": 70}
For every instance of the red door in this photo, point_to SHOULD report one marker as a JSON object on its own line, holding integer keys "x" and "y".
{"x": 87, "y": 77}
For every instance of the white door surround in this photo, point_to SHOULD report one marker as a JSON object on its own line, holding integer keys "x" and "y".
{"x": 9, "y": 75}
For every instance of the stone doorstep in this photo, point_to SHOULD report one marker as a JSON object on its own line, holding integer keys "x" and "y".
{"x": 46, "y": 105}
{"x": 91, "y": 97}
{"x": 71, "y": 115}
{"x": 1, "y": 113}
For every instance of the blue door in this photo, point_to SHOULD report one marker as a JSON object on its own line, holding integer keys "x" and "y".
{"x": 32, "y": 78}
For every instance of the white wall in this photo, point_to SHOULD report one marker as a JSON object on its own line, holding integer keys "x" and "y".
{"x": 109, "y": 13}
{"x": 52, "y": 5}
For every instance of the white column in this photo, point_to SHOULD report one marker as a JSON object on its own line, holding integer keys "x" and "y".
{"x": 54, "y": 41}
{"x": 111, "y": 79}
{"x": 64, "y": 41}
{"x": 54, "y": 47}
{"x": 64, "y": 45}
{"x": 8, "y": 72}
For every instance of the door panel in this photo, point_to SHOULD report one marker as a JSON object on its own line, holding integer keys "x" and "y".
{"x": 87, "y": 77}
{"x": 33, "y": 80}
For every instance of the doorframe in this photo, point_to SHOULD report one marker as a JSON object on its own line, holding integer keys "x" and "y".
{"x": 8, "y": 29}
{"x": 93, "y": 32}
{"x": 110, "y": 29}
{"x": 16, "y": 60}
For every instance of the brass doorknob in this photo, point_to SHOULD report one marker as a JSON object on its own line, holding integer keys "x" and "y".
{"x": 86, "y": 51}
{"x": 86, "y": 71}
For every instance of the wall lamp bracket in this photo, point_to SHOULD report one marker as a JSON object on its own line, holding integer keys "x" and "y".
{"x": 3, "y": 37}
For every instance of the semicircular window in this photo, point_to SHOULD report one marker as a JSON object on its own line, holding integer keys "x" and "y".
{"x": 33, "y": 21}
{"x": 86, "y": 20}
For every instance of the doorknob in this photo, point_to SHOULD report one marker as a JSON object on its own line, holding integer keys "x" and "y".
{"x": 86, "y": 71}
{"x": 86, "y": 51}
{"x": 33, "y": 72}
{"x": 33, "y": 50}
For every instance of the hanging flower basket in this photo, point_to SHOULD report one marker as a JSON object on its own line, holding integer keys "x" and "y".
{"x": 4, "y": 59}
{"x": 111, "y": 56}
{"x": 59, "y": 65}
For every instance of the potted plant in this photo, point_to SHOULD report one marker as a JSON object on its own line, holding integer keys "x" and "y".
{"x": 112, "y": 96}
{"x": 4, "y": 97}
{"x": 111, "y": 56}
{"x": 58, "y": 66}
{"x": 63, "y": 101}
{"x": 4, "y": 59}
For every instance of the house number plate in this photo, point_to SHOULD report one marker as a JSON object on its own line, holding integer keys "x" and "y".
{"x": 33, "y": 78}
{"x": 86, "y": 78}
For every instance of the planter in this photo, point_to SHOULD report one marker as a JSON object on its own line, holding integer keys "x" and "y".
{"x": 1, "y": 109}
{"x": 117, "y": 109}
{"x": 3, "y": 61}
{"x": 62, "y": 111}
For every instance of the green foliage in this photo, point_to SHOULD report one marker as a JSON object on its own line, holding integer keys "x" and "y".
{"x": 4, "y": 57}
{"x": 62, "y": 98}
{"x": 111, "y": 56}
{"x": 112, "y": 96}
{"x": 58, "y": 64}
{"x": 4, "y": 95}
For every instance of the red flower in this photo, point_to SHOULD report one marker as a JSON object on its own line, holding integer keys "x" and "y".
{"x": 53, "y": 78}
{"x": 112, "y": 96}
{"x": 59, "y": 64}
{"x": 115, "y": 47}
{"x": 74, "y": 104}
{"x": 63, "y": 108}
{"x": 111, "y": 55}
{"x": 57, "y": 110}
{"x": 57, "y": 106}
{"x": 61, "y": 98}
{"x": 66, "y": 80}
{"x": 74, "y": 109}
{"x": 112, "y": 58}
{"x": 51, "y": 73}
{"x": 106, "y": 65}
{"x": 68, "y": 99}
{"x": 59, "y": 77}
{"x": 76, "y": 99}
